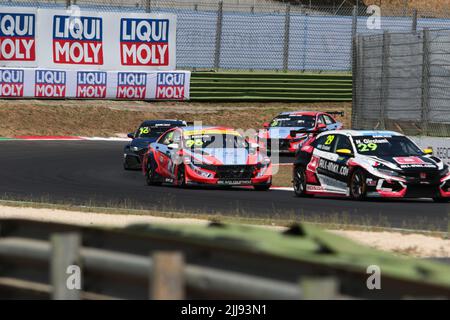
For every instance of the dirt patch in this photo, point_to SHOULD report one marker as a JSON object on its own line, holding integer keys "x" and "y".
{"x": 115, "y": 118}
{"x": 282, "y": 175}
{"x": 416, "y": 245}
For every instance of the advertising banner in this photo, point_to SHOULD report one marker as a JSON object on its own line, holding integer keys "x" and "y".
{"x": 18, "y": 37}
{"x": 90, "y": 84}
{"x": 74, "y": 39}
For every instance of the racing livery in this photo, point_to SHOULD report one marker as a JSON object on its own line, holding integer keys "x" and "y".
{"x": 360, "y": 164}
{"x": 148, "y": 132}
{"x": 206, "y": 156}
{"x": 277, "y": 133}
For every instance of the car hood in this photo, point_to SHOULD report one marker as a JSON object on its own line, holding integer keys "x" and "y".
{"x": 142, "y": 142}
{"x": 225, "y": 156}
{"x": 409, "y": 163}
{"x": 283, "y": 132}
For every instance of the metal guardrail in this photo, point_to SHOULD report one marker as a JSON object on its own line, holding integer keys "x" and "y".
{"x": 138, "y": 270}
{"x": 215, "y": 262}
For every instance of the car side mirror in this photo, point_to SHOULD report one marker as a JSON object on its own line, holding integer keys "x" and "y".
{"x": 173, "y": 146}
{"x": 428, "y": 151}
{"x": 130, "y": 135}
{"x": 266, "y": 125}
{"x": 321, "y": 127}
{"x": 344, "y": 152}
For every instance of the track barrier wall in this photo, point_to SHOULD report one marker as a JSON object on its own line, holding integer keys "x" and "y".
{"x": 61, "y": 84}
{"x": 65, "y": 53}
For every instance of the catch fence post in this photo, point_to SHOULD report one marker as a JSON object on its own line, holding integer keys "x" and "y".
{"x": 167, "y": 276}
{"x": 425, "y": 81}
{"x": 65, "y": 266}
{"x": 354, "y": 30}
{"x": 414, "y": 21}
{"x": 287, "y": 27}
{"x": 384, "y": 78}
{"x": 218, "y": 36}
{"x": 148, "y": 6}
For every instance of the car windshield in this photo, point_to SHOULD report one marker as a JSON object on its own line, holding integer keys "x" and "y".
{"x": 215, "y": 140}
{"x": 294, "y": 121}
{"x": 153, "y": 131}
{"x": 396, "y": 146}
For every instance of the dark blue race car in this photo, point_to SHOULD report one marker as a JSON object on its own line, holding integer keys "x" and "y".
{"x": 148, "y": 132}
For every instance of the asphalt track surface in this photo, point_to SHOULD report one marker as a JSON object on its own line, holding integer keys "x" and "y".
{"x": 90, "y": 172}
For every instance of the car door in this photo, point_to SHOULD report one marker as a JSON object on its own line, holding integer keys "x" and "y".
{"x": 323, "y": 162}
{"x": 163, "y": 154}
{"x": 337, "y": 166}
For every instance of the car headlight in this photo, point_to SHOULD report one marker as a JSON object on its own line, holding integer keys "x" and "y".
{"x": 389, "y": 172}
{"x": 444, "y": 171}
{"x": 200, "y": 172}
{"x": 135, "y": 149}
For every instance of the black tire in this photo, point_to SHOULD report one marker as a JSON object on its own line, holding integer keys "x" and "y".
{"x": 299, "y": 182}
{"x": 441, "y": 200}
{"x": 181, "y": 176}
{"x": 358, "y": 186}
{"x": 151, "y": 176}
{"x": 125, "y": 165}
{"x": 262, "y": 187}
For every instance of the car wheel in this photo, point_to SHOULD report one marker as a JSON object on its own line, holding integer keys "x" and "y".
{"x": 125, "y": 165}
{"x": 262, "y": 187}
{"x": 441, "y": 200}
{"x": 150, "y": 176}
{"x": 299, "y": 182}
{"x": 358, "y": 187}
{"x": 181, "y": 176}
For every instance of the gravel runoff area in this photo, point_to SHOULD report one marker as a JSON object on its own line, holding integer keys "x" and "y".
{"x": 96, "y": 118}
{"x": 416, "y": 245}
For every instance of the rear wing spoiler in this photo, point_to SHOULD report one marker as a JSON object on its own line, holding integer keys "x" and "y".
{"x": 293, "y": 133}
{"x": 335, "y": 113}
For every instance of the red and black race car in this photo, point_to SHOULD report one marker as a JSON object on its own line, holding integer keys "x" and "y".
{"x": 360, "y": 164}
{"x": 206, "y": 156}
{"x": 276, "y": 135}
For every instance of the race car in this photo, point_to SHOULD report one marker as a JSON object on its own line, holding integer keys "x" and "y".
{"x": 360, "y": 164}
{"x": 276, "y": 134}
{"x": 146, "y": 133}
{"x": 217, "y": 156}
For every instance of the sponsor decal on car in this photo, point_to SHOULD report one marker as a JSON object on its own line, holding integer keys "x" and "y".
{"x": 131, "y": 85}
{"x": 91, "y": 84}
{"x": 144, "y": 42}
{"x": 78, "y": 40}
{"x": 409, "y": 160}
{"x": 50, "y": 84}
{"x": 11, "y": 83}
{"x": 235, "y": 182}
{"x": 314, "y": 188}
{"x": 170, "y": 85}
{"x": 17, "y": 37}
{"x": 333, "y": 167}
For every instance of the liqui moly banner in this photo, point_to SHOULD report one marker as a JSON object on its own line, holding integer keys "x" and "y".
{"x": 106, "y": 41}
{"x": 89, "y": 84}
{"x": 18, "y": 37}
{"x": 11, "y": 83}
{"x": 74, "y": 39}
